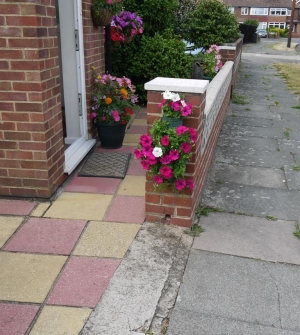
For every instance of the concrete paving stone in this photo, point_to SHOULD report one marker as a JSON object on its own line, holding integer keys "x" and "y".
{"x": 8, "y": 225}
{"x": 286, "y": 279}
{"x": 290, "y": 117}
{"x": 16, "y": 207}
{"x": 141, "y": 115}
{"x": 28, "y": 277}
{"x": 248, "y": 175}
{"x": 81, "y": 206}
{"x": 285, "y": 109}
{"x": 253, "y": 108}
{"x": 49, "y": 236}
{"x": 297, "y": 159}
{"x": 139, "y": 122}
{"x": 132, "y": 139}
{"x": 135, "y": 129}
{"x": 229, "y": 287}
{"x": 106, "y": 239}
{"x": 251, "y": 237}
{"x": 291, "y": 126}
{"x": 290, "y": 146}
{"x": 126, "y": 209}
{"x": 245, "y": 113}
{"x": 124, "y": 148}
{"x": 130, "y": 302}
{"x": 247, "y": 121}
{"x": 272, "y": 159}
{"x": 16, "y": 318}
{"x": 292, "y": 177}
{"x": 136, "y": 168}
{"x": 185, "y": 322}
{"x": 133, "y": 186}
{"x": 252, "y": 200}
{"x": 83, "y": 281}
{"x": 93, "y": 185}
{"x": 40, "y": 209}
{"x": 59, "y": 320}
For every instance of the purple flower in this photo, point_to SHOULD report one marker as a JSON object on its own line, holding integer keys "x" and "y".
{"x": 93, "y": 115}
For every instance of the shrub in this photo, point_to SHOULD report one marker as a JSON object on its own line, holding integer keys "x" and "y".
{"x": 210, "y": 23}
{"x": 252, "y": 22}
{"x": 150, "y": 57}
{"x": 185, "y": 7}
{"x": 282, "y": 32}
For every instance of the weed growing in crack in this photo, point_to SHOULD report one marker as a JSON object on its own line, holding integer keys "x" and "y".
{"x": 271, "y": 218}
{"x": 297, "y": 231}
{"x": 195, "y": 230}
{"x": 239, "y": 99}
{"x": 296, "y": 167}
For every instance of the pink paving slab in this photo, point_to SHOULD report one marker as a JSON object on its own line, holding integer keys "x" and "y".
{"x": 15, "y": 318}
{"x": 127, "y": 209}
{"x": 93, "y": 185}
{"x": 16, "y": 207}
{"x": 141, "y": 116}
{"x": 50, "y": 236}
{"x": 136, "y": 169}
{"x": 83, "y": 281}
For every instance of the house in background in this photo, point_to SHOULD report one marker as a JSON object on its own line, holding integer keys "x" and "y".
{"x": 269, "y": 13}
{"x": 47, "y": 48}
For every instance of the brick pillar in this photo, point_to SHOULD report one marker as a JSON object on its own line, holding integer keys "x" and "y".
{"x": 167, "y": 206}
{"x": 31, "y": 137}
{"x": 94, "y": 54}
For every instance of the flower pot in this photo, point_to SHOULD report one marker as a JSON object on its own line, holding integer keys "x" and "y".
{"x": 103, "y": 18}
{"x": 207, "y": 78}
{"x": 111, "y": 135}
{"x": 173, "y": 123}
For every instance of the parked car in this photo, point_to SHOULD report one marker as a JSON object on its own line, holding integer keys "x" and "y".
{"x": 262, "y": 32}
{"x": 190, "y": 49}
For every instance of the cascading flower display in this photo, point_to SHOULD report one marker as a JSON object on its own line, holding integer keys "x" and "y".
{"x": 125, "y": 25}
{"x": 165, "y": 152}
{"x": 113, "y": 99}
{"x": 174, "y": 107}
{"x": 211, "y": 61}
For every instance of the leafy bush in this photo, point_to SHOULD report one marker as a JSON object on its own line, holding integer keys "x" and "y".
{"x": 157, "y": 15}
{"x": 210, "y": 23}
{"x": 185, "y": 7}
{"x": 252, "y": 22}
{"x": 151, "y": 57}
{"x": 282, "y": 32}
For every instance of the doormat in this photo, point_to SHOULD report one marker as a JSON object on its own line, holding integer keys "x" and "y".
{"x": 106, "y": 164}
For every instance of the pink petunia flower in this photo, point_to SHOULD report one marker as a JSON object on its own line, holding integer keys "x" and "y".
{"x": 145, "y": 141}
{"x": 185, "y": 147}
{"x": 175, "y": 105}
{"x": 152, "y": 160}
{"x": 162, "y": 103}
{"x": 93, "y": 115}
{"x": 166, "y": 159}
{"x": 166, "y": 172}
{"x": 186, "y": 110}
{"x": 138, "y": 154}
{"x": 115, "y": 115}
{"x": 180, "y": 184}
{"x": 193, "y": 134}
{"x": 165, "y": 141}
{"x": 158, "y": 179}
{"x": 146, "y": 165}
{"x": 147, "y": 151}
{"x": 181, "y": 130}
{"x": 190, "y": 184}
{"x": 174, "y": 154}
{"x": 103, "y": 118}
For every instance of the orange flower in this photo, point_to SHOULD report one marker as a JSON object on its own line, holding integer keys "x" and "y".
{"x": 124, "y": 93}
{"x": 108, "y": 101}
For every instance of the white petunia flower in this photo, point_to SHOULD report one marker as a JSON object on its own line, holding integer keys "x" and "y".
{"x": 157, "y": 152}
{"x": 168, "y": 95}
{"x": 175, "y": 97}
{"x": 183, "y": 103}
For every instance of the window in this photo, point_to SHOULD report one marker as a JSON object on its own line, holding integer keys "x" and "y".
{"x": 258, "y": 11}
{"x": 244, "y": 10}
{"x": 280, "y": 25}
{"x": 279, "y": 11}
{"x": 231, "y": 10}
{"x": 262, "y": 25}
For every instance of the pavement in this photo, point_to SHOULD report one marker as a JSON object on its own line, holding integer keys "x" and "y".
{"x": 87, "y": 263}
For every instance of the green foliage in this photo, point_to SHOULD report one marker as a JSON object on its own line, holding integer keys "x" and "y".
{"x": 211, "y": 23}
{"x": 282, "y": 32}
{"x": 195, "y": 230}
{"x": 252, "y": 22}
{"x": 146, "y": 58}
{"x": 157, "y": 15}
{"x": 185, "y": 7}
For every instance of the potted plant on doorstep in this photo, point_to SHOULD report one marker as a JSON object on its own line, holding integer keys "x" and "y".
{"x": 125, "y": 26}
{"x": 174, "y": 108}
{"x": 210, "y": 61}
{"x": 104, "y": 10}
{"x": 113, "y": 104}
{"x": 165, "y": 153}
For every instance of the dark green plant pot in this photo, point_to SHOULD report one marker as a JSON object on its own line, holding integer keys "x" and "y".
{"x": 173, "y": 123}
{"x": 207, "y": 78}
{"x": 111, "y": 135}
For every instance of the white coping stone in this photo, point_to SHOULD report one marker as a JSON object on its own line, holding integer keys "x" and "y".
{"x": 177, "y": 85}
{"x": 227, "y": 47}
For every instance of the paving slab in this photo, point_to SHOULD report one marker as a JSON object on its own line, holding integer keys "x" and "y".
{"x": 59, "y": 320}
{"x": 40, "y": 209}
{"x": 28, "y": 277}
{"x": 16, "y": 207}
{"x": 8, "y": 225}
{"x": 15, "y": 319}
{"x": 106, "y": 239}
{"x": 133, "y": 186}
{"x": 93, "y": 185}
{"x": 290, "y": 146}
{"x": 253, "y": 200}
{"x": 136, "y": 169}
{"x": 251, "y": 237}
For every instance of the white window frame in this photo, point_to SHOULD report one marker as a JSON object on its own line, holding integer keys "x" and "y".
{"x": 278, "y": 11}
{"x": 231, "y": 9}
{"x": 244, "y": 11}
{"x": 277, "y": 25}
{"x": 253, "y": 11}
{"x": 262, "y": 25}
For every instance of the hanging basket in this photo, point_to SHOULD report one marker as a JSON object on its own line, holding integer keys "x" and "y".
{"x": 103, "y": 18}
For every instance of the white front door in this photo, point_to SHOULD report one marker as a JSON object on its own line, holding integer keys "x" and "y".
{"x": 73, "y": 83}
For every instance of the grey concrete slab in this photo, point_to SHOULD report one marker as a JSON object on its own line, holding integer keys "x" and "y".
{"x": 290, "y": 146}
{"x": 229, "y": 287}
{"x": 185, "y": 322}
{"x": 248, "y": 121}
{"x": 249, "y": 112}
{"x": 290, "y": 117}
{"x": 248, "y": 175}
{"x": 252, "y": 200}
{"x": 251, "y": 237}
{"x": 130, "y": 302}
{"x": 292, "y": 176}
